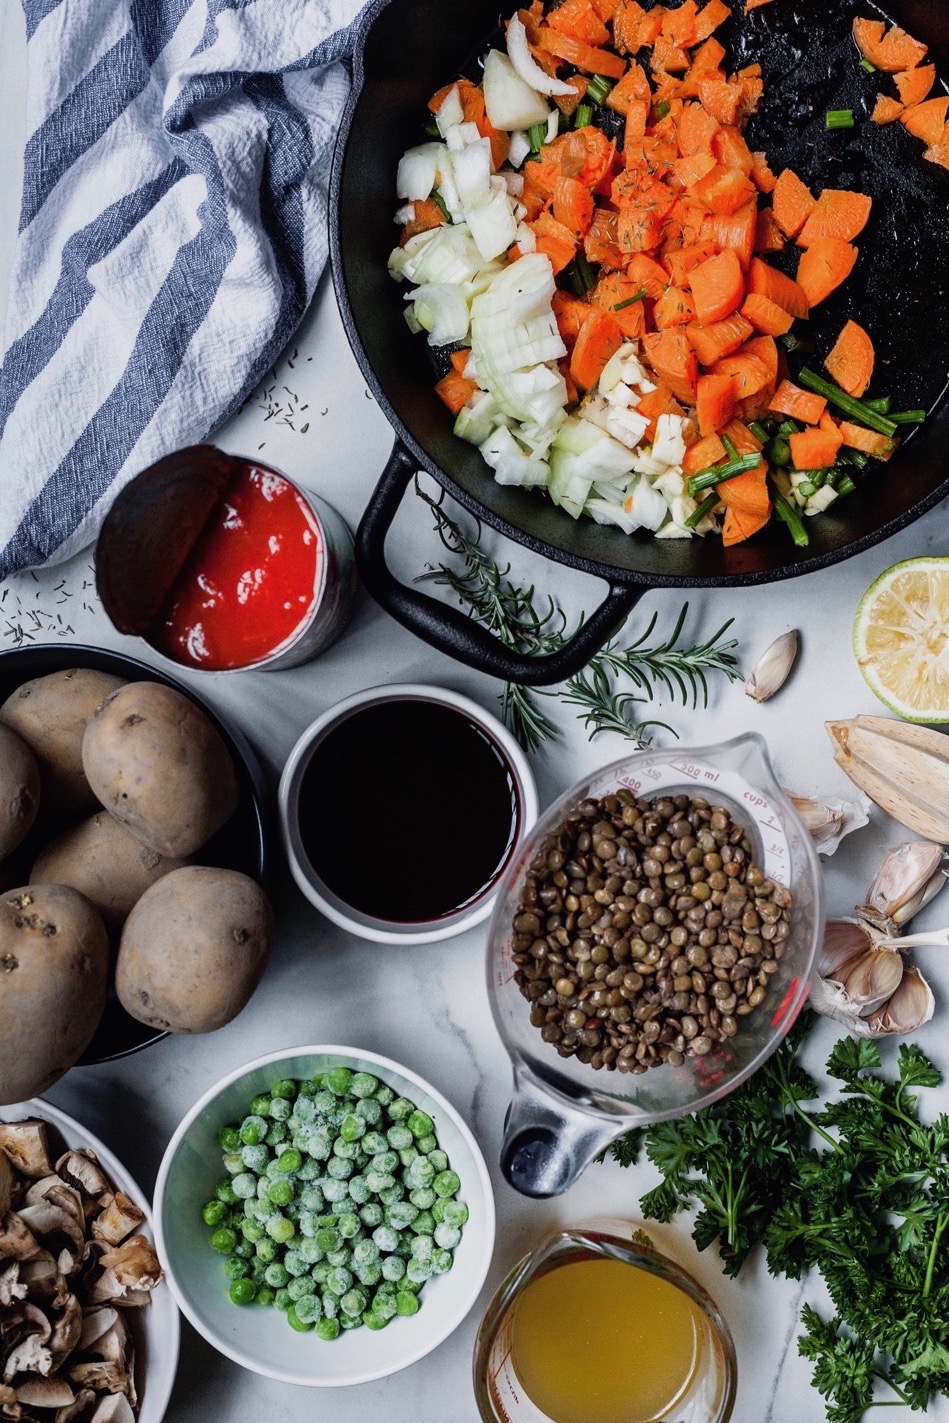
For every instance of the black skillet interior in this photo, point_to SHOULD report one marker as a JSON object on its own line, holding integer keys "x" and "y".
{"x": 898, "y": 289}
{"x": 241, "y": 844}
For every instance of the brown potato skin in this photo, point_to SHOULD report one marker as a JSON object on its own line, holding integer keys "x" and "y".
{"x": 51, "y": 714}
{"x": 156, "y": 762}
{"x": 104, "y": 862}
{"x": 54, "y": 963}
{"x": 193, "y": 950}
{"x": 19, "y": 790}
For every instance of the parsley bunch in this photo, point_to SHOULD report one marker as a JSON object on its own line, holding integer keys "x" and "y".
{"x": 856, "y": 1187}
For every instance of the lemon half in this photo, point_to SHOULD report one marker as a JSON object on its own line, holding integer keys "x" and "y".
{"x": 901, "y": 639}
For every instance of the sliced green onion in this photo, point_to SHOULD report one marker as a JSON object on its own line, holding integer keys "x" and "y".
{"x": 759, "y": 431}
{"x": 858, "y": 409}
{"x": 819, "y": 477}
{"x": 838, "y": 118}
{"x": 631, "y": 300}
{"x": 777, "y": 451}
{"x": 581, "y": 275}
{"x": 844, "y": 484}
{"x": 537, "y": 137}
{"x": 790, "y": 342}
{"x": 702, "y": 512}
{"x": 787, "y": 513}
{"x": 908, "y": 417}
{"x": 584, "y": 116}
{"x": 880, "y": 403}
{"x": 870, "y": 68}
{"x": 789, "y": 427}
{"x": 717, "y": 474}
{"x": 598, "y": 88}
{"x": 432, "y": 129}
{"x": 439, "y": 202}
{"x": 730, "y": 449}
{"x": 563, "y": 123}
{"x": 662, "y": 108}
{"x": 807, "y": 488}
{"x": 856, "y": 458}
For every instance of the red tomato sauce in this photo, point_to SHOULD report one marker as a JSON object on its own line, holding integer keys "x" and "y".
{"x": 250, "y": 580}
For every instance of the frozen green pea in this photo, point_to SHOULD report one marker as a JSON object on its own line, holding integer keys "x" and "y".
{"x": 286, "y": 1087}
{"x": 385, "y": 1238}
{"x": 348, "y": 1150}
{"x": 438, "y": 1209}
{"x": 371, "y": 1214}
{"x": 233, "y": 1164}
{"x": 424, "y": 1223}
{"x": 307, "y": 1088}
{"x": 370, "y": 1274}
{"x": 320, "y": 1143}
{"x": 401, "y": 1109}
{"x": 309, "y": 1308}
{"x": 442, "y": 1261}
{"x": 332, "y": 1189}
{"x": 282, "y": 1300}
{"x": 279, "y": 1228}
{"x": 447, "y": 1236}
{"x": 339, "y": 1280}
{"x": 265, "y": 1295}
{"x": 223, "y": 1240}
{"x": 343, "y": 1256}
{"x": 290, "y": 1161}
{"x": 409, "y": 1284}
{"x": 354, "y": 1301}
{"x": 339, "y": 1169}
{"x": 393, "y": 1268}
{"x": 255, "y": 1158}
{"x": 225, "y": 1193}
{"x": 311, "y": 1198}
{"x": 423, "y": 1197}
{"x": 372, "y": 1319}
{"x": 253, "y": 1129}
{"x": 280, "y": 1193}
{"x": 266, "y": 1250}
{"x": 348, "y": 1226}
{"x": 370, "y": 1111}
{"x": 214, "y": 1212}
{"x": 385, "y": 1162}
{"x": 420, "y": 1173}
{"x": 327, "y": 1328}
{"x": 374, "y": 1142}
{"x": 304, "y": 1111}
{"x": 338, "y": 1080}
{"x": 456, "y": 1213}
{"x": 438, "y": 1159}
{"x": 234, "y": 1267}
{"x": 320, "y": 1271}
{"x": 392, "y": 1195}
{"x": 310, "y": 1251}
{"x": 406, "y": 1303}
{"x": 358, "y": 1190}
{"x": 229, "y": 1139}
{"x": 300, "y": 1285}
{"x": 384, "y": 1094}
{"x": 385, "y": 1305}
{"x": 295, "y": 1263}
{"x": 422, "y": 1247}
{"x": 260, "y": 1106}
{"x": 420, "y": 1123}
{"x": 349, "y": 1321}
{"x": 363, "y": 1084}
{"x": 426, "y": 1145}
{"x": 365, "y": 1252}
{"x": 401, "y": 1214}
{"x": 351, "y": 1128}
{"x": 379, "y": 1181}
{"x": 407, "y": 1155}
{"x": 399, "y": 1136}
{"x": 244, "y": 1249}
{"x": 243, "y": 1291}
{"x": 330, "y": 1304}
{"x": 310, "y": 1170}
{"x": 327, "y": 1238}
{"x": 277, "y": 1275}
{"x": 324, "y": 1102}
{"x": 252, "y": 1230}
{"x": 295, "y": 1322}
{"x": 446, "y": 1183}
{"x": 244, "y": 1184}
{"x": 419, "y": 1270}
{"x": 276, "y": 1136}
{"x": 280, "y": 1109}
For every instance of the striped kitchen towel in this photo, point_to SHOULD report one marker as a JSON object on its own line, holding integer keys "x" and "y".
{"x": 172, "y": 231}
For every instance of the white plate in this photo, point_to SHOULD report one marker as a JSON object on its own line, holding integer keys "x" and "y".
{"x": 156, "y": 1327}
{"x": 260, "y": 1338}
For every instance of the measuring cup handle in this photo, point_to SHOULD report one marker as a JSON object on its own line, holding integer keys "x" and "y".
{"x": 548, "y": 1141}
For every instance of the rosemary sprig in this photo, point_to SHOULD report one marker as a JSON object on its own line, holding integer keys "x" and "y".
{"x": 510, "y": 612}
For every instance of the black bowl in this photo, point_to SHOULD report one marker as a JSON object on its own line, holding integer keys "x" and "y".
{"x": 241, "y": 844}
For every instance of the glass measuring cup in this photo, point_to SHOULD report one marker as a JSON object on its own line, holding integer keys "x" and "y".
{"x": 705, "y": 1390}
{"x": 565, "y": 1112}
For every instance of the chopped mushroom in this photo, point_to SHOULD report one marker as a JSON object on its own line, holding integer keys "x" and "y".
{"x": 45, "y": 1393}
{"x": 80, "y": 1410}
{"x": 120, "y": 1217}
{"x": 114, "y": 1408}
{"x": 26, "y": 1146}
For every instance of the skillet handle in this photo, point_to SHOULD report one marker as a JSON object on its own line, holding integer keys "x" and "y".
{"x": 450, "y": 630}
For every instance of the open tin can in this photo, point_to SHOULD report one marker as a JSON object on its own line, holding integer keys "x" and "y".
{"x": 161, "y": 545}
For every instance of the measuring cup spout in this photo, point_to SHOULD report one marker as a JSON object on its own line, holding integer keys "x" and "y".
{"x": 549, "y": 1140}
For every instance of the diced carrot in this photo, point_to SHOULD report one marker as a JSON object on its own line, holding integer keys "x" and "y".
{"x": 599, "y": 340}
{"x": 600, "y": 244}
{"x": 678, "y": 25}
{"x": 768, "y": 235}
{"x": 569, "y": 103}
{"x": 554, "y": 240}
{"x": 792, "y": 203}
{"x": 579, "y": 21}
{"x": 459, "y": 359}
{"x": 893, "y": 51}
{"x": 744, "y": 440}
{"x": 610, "y": 294}
{"x": 606, "y": 9}
{"x": 645, "y": 272}
{"x": 765, "y": 349}
{"x": 668, "y": 58}
{"x": 573, "y": 206}
{"x": 748, "y": 374}
{"x": 739, "y": 526}
{"x": 637, "y": 117}
{"x": 814, "y": 449}
{"x": 704, "y": 454}
{"x": 439, "y": 97}
{"x": 926, "y": 121}
{"x": 456, "y": 390}
{"x": 768, "y": 281}
{"x": 857, "y": 437}
{"x": 707, "y": 57}
{"x": 765, "y": 315}
{"x": 570, "y": 313}
{"x": 692, "y": 169}
{"x": 657, "y": 402}
{"x": 473, "y": 107}
{"x": 913, "y": 85}
{"x": 634, "y": 85}
{"x": 752, "y": 89}
{"x": 427, "y": 216}
{"x": 696, "y": 130}
{"x": 587, "y": 154}
{"x": 886, "y": 110}
{"x": 938, "y": 152}
{"x": 715, "y": 13}
{"x": 711, "y": 343}
{"x": 685, "y": 223}
{"x": 573, "y": 394}
{"x": 718, "y": 287}
{"x": 638, "y": 189}
{"x": 724, "y": 190}
{"x": 671, "y": 356}
{"x": 584, "y": 56}
{"x": 731, "y": 150}
{"x": 790, "y": 399}
{"x": 851, "y": 359}
{"x": 721, "y": 98}
{"x": 754, "y": 5}
{"x": 823, "y": 266}
{"x": 715, "y": 402}
{"x": 747, "y": 493}
{"x": 735, "y": 232}
{"x": 627, "y": 23}
{"x": 761, "y": 175}
{"x": 837, "y": 213}
{"x": 639, "y": 229}
{"x": 674, "y": 308}
{"x": 683, "y": 260}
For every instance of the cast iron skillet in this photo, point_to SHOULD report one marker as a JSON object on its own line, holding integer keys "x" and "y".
{"x": 409, "y": 48}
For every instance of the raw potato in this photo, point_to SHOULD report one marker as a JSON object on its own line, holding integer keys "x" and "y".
{"x": 193, "y": 950}
{"x": 158, "y": 764}
{"x": 50, "y": 714}
{"x": 19, "y": 790}
{"x": 106, "y": 863}
{"x": 54, "y": 963}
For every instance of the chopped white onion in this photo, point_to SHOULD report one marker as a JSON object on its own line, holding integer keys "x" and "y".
{"x": 510, "y": 102}
{"x": 525, "y": 238}
{"x": 442, "y": 311}
{"x": 473, "y": 173}
{"x": 417, "y": 172}
{"x": 514, "y": 183}
{"x": 492, "y": 224}
{"x": 451, "y": 112}
{"x": 520, "y": 148}
{"x": 553, "y": 125}
{"x": 405, "y": 214}
{"x": 527, "y": 67}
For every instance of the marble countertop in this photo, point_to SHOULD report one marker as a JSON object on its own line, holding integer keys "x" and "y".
{"x": 427, "y": 1006}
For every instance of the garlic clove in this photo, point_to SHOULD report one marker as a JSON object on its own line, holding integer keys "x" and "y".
{"x": 872, "y": 979}
{"x": 844, "y": 941}
{"x": 910, "y": 1007}
{"x": 832, "y": 1001}
{"x": 904, "y": 769}
{"x": 908, "y": 878}
{"x": 828, "y": 822}
{"x": 774, "y": 667}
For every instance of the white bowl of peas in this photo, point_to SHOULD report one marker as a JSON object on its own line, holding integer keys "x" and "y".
{"x": 324, "y": 1216}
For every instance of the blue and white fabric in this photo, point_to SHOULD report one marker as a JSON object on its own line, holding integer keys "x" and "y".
{"x": 172, "y": 231}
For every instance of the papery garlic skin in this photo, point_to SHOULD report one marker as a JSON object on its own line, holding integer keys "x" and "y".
{"x": 829, "y": 822}
{"x": 773, "y": 668}
{"x": 904, "y": 770}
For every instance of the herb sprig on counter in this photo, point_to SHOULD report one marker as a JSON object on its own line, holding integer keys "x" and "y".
{"x": 514, "y": 615}
{"x": 856, "y": 1187}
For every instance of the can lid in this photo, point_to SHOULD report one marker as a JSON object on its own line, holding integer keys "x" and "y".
{"x": 151, "y": 528}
